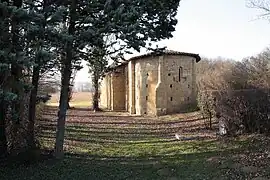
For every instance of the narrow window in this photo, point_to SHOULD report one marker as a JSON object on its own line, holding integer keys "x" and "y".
{"x": 171, "y": 86}
{"x": 146, "y": 98}
{"x": 146, "y": 85}
{"x": 147, "y": 74}
{"x": 188, "y": 86}
{"x": 169, "y": 74}
{"x": 180, "y": 73}
{"x": 171, "y": 99}
{"x": 173, "y": 78}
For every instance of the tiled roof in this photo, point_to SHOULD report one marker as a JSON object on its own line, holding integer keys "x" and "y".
{"x": 167, "y": 52}
{"x": 158, "y": 53}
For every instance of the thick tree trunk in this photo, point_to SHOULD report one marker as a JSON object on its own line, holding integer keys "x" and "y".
{"x": 69, "y": 88}
{"x": 60, "y": 132}
{"x": 32, "y": 108}
{"x": 96, "y": 94}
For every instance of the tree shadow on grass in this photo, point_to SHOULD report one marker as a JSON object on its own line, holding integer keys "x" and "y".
{"x": 86, "y": 166}
{"x": 132, "y": 135}
{"x": 135, "y": 122}
{"x": 135, "y": 154}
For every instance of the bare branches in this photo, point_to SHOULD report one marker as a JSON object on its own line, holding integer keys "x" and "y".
{"x": 262, "y": 5}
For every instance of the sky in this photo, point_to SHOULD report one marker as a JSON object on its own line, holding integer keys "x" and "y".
{"x": 215, "y": 28}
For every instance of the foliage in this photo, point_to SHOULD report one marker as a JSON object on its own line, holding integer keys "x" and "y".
{"x": 206, "y": 103}
{"x": 98, "y": 65}
{"x": 40, "y": 110}
{"x": 245, "y": 111}
{"x": 212, "y": 77}
{"x": 25, "y": 53}
{"x": 128, "y": 25}
{"x": 43, "y": 98}
{"x": 237, "y": 93}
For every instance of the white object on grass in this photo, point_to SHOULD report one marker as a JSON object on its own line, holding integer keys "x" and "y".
{"x": 177, "y": 136}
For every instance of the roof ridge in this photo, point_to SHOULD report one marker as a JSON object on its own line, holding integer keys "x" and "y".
{"x": 166, "y": 52}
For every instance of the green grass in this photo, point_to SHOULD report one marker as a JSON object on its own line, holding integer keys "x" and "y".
{"x": 104, "y": 148}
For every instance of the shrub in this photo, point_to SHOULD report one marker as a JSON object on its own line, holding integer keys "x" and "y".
{"x": 242, "y": 111}
{"x": 245, "y": 110}
{"x": 39, "y": 110}
{"x": 237, "y": 93}
{"x": 206, "y": 103}
{"x": 43, "y": 98}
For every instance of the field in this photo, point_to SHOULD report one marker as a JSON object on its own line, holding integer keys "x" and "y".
{"x": 79, "y": 99}
{"x": 109, "y": 145}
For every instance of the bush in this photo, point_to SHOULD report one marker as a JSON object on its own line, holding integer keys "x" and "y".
{"x": 39, "y": 110}
{"x": 206, "y": 103}
{"x": 242, "y": 111}
{"x": 43, "y": 98}
{"x": 237, "y": 93}
{"x": 245, "y": 110}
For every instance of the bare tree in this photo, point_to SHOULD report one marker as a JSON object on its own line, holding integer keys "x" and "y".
{"x": 262, "y": 5}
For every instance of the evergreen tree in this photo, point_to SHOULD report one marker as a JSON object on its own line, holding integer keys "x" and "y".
{"x": 13, "y": 62}
{"x": 5, "y": 95}
{"x": 130, "y": 23}
{"x": 97, "y": 64}
{"x": 26, "y": 30}
{"x": 40, "y": 36}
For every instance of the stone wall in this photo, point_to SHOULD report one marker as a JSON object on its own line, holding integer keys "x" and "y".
{"x": 179, "y": 75}
{"x": 131, "y": 87}
{"x": 127, "y": 88}
{"x": 153, "y": 85}
{"x": 161, "y": 93}
{"x": 145, "y": 86}
{"x": 113, "y": 90}
{"x": 118, "y": 89}
{"x": 104, "y": 92}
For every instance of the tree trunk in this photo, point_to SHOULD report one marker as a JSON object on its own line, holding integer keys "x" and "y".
{"x": 96, "y": 93}
{"x": 69, "y": 97}
{"x": 65, "y": 82}
{"x": 60, "y": 132}
{"x": 34, "y": 91}
{"x": 32, "y": 108}
{"x": 62, "y": 76}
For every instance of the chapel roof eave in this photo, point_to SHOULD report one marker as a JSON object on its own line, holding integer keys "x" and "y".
{"x": 156, "y": 53}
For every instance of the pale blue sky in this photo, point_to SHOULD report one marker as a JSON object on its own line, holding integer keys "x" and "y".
{"x": 215, "y": 28}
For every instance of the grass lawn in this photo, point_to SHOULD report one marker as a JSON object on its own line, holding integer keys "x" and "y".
{"x": 117, "y": 146}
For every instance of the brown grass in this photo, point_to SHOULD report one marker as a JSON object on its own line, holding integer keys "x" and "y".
{"x": 79, "y": 99}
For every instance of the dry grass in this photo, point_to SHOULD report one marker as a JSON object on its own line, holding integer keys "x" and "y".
{"x": 79, "y": 99}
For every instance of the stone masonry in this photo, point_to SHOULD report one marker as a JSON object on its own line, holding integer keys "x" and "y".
{"x": 152, "y": 84}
